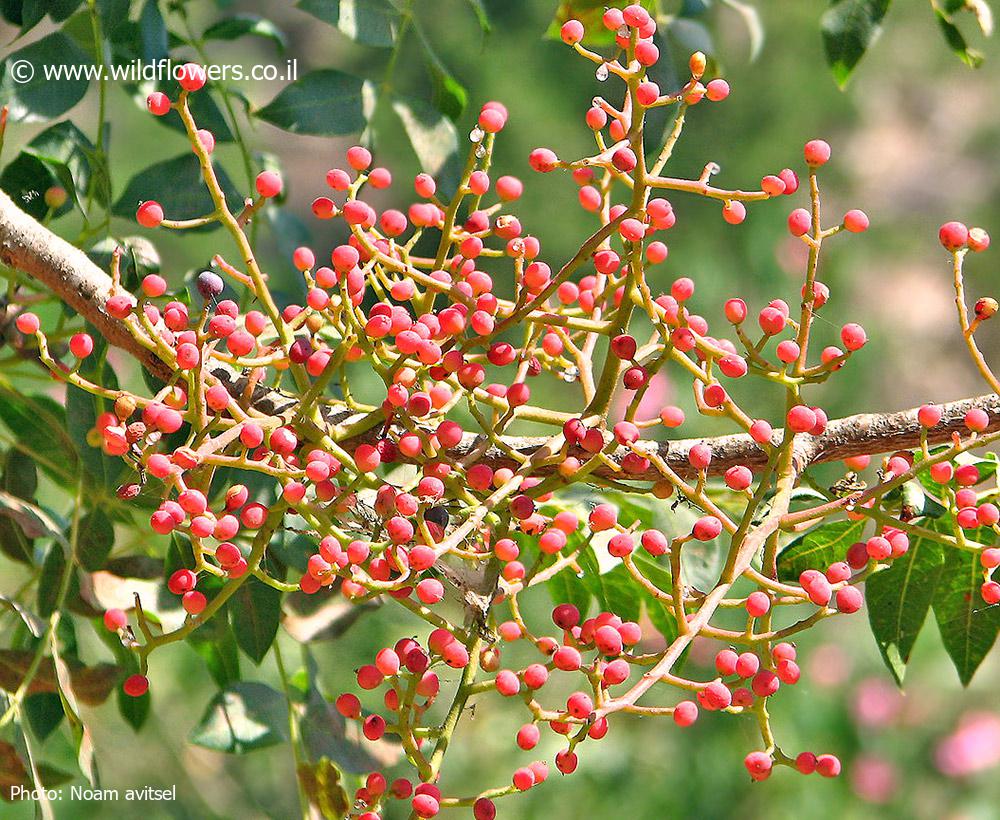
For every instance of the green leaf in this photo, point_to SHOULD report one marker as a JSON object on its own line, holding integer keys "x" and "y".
{"x": 71, "y": 157}
{"x": 134, "y": 711}
{"x": 33, "y": 98}
{"x": 180, "y": 555}
{"x": 432, "y": 135}
{"x": 849, "y": 27}
{"x": 153, "y": 32}
{"x": 956, "y": 41}
{"x": 177, "y": 185}
{"x": 655, "y": 572}
{"x": 481, "y": 16}
{"x": 241, "y": 25}
{"x": 94, "y": 540}
{"x": 751, "y": 19}
{"x": 14, "y": 543}
{"x": 566, "y": 588}
{"x": 818, "y": 548}
{"x": 450, "y": 96}
{"x": 50, "y": 581}
{"x": 216, "y": 645}
{"x": 139, "y": 258}
{"x": 661, "y": 617}
{"x": 898, "y": 599}
{"x": 61, "y": 155}
{"x": 60, "y": 10}
{"x": 44, "y": 711}
{"x": 615, "y": 590}
{"x": 691, "y": 36}
{"x": 369, "y": 22}
{"x": 35, "y": 521}
{"x": 20, "y": 476}
{"x": 32, "y": 13}
{"x": 323, "y": 103}
{"x": 25, "y": 180}
{"x": 255, "y": 610}
{"x": 243, "y": 717}
{"x": 968, "y": 625}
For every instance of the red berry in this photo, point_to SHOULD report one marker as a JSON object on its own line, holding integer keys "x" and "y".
{"x": 268, "y": 184}
{"x": 136, "y": 685}
{"x": 192, "y": 76}
{"x": 149, "y": 214}
{"x": 856, "y": 221}
{"x": 817, "y": 152}
{"x": 953, "y": 235}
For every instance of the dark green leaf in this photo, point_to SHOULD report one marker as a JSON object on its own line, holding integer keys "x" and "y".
{"x": 818, "y": 548}
{"x": 849, "y": 27}
{"x": 614, "y": 590}
{"x": 243, "y": 717}
{"x": 60, "y": 10}
{"x": 177, "y": 185}
{"x": 180, "y": 555}
{"x": 566, "y": 588}
{"x": 450, "y": 96}
{"x": 432, "y": 135}
{"x": 50, "y": 581}
{"x": 153, "y": 32}
{"x": 217, "y": 646}
{"x": 94, "y": 540}
{"x": 72, "y": 159}
{"x": 968, "y": 625}
{"x": 134, "y": 710}
{"x": 255, "y": 610}
{"x": 113, "y": 13}
{"x": 33, "y": 98}
{"x": 32, "y": 13}
{"x": 14, "y": 543}
{"x": 322, "y": 103}
{"x": 957, "y": 43}
{"x": 653, "y": 571}
{"x": 25, "y": 180}
{"x": 44, "y": 712}
{"x": 20, "y": 476}
{"x": 898, "y": 599}
{"x": 240, "y": 25}
{"x": 135, "y": 566}
{"x": 369, "y": 22}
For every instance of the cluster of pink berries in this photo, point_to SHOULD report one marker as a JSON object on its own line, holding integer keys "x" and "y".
{"x": 438, "y": 335}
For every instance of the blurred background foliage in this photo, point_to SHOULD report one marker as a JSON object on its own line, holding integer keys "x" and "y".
{"x": 915, "y": 138}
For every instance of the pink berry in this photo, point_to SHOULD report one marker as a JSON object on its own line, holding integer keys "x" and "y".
{"x": 817, "y": 152}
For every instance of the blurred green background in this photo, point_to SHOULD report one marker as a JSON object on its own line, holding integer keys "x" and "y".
{"x": 915, "y": 140}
